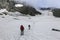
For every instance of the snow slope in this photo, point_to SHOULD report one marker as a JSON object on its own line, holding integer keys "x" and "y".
{"x": 40, "y": 27}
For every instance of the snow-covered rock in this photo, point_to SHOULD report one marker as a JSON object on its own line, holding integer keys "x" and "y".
{"x": 18, "y": 5}
{"x": 46, "y": 12}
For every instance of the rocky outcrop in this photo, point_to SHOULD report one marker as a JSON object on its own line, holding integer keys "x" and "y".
{"x": 6, "y": 4}
{"x": 27, "y": 10}
{"x": 56, "y": 12}
{"x": 10, "y": 6}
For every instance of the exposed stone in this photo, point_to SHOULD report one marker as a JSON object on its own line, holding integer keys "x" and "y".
{"x": 27, "y": 10}
{"x": 56, "y": 12}
{"x": 10, "y": 6}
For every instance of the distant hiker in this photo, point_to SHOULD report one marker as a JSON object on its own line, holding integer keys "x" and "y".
{"x": 29, "y": 27}
{"x": 22, "y": 29}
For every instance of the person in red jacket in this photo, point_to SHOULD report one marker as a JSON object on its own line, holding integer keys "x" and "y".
{"x": 22, "y": 29}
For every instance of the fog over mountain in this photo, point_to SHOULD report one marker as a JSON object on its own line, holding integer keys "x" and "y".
{"x": 42, "y": 3}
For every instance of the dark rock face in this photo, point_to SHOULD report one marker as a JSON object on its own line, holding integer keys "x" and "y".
{"x": 8, "y": 4}
{"x": 3, "y": 4}
{"x": 11, "y": 6}
{"x": 27, "y": 10}
{"x": 45, "y": 8}
{"x": 56, "y": 12}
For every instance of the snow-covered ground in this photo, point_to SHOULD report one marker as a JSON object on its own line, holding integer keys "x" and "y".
{"x": 41, "y": 27}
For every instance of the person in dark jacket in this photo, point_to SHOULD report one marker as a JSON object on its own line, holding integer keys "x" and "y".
{"x": 22, "y": 29}
{"x": 29, "y": 27}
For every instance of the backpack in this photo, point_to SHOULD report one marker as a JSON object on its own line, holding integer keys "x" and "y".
{"x": 21, "y": 27}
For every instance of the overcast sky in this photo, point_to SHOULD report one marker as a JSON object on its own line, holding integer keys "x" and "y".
{"x": 43, "y": 3}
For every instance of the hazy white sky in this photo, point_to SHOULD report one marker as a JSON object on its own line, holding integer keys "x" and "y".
{"x": 43, "y": 3}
